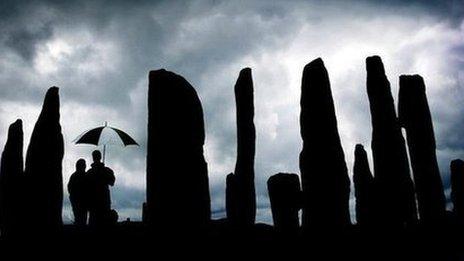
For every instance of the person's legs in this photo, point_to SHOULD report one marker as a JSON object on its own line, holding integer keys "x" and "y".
{"x": 97, "y": 218}
{"x": 93, "y": 218}
{"x": 85, "y": 215}
{"x": 79, "y": 214}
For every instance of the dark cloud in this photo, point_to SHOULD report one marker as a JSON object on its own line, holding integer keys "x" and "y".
{"x": 24, "y": 41}
{"x": 450, "y": 9}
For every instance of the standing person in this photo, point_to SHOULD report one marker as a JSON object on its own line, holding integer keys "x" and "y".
{"x": 77, "y": 188}
{"x": 99, "y": 179}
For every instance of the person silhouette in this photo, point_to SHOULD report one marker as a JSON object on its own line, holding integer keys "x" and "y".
{"x": 99, "y": 179}
{"x": 77, "y": 188}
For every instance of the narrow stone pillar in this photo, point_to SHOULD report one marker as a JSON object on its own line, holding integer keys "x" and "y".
{"x": 363, "y": 188}
{"x": 457, "y": 189}
{"x": 326, "y": 185}
{"x": 414, "y": 115}
{"x": 12, "y": 183}
{"x": 243, "y": 210}
{"x": 395, "y": 197}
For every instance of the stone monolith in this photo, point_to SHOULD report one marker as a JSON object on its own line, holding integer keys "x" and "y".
{"x": 325, "y": 181}
{"x": 12, "y": 182}
{"x": 395, "y": 188}
{"x": 414, "y": 116}
{"x": 285, "y": 197}
{"x": 363, "y": 188}
{"x": 177, "y": 175}
{"x": 43, "y": 171}
{"x": 244, "y": 207}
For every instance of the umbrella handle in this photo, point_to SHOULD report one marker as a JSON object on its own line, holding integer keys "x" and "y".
{"x": 104, "y": 146}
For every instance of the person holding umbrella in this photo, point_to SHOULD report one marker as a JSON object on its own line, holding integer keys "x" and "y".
{"x": 99, "y": 178}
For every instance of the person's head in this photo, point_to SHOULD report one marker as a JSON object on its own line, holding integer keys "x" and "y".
{"x": 96, "y": 155}
{"x": 80, "y": 165}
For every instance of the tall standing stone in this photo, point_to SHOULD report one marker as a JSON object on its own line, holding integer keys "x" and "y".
{"x": 43, "y": 170}
{"x": 326, "y": 185}
{"x": 457, "y": 189}
{"x": 244, "y": 198}
{"x": 177, "y": 175}
{"x": 395, "y": 189}
{"x": 11, "y": 182}
{"x": 231, "y": 199}
{"x": 285, "y": 197}
{"x": 363, "y": 188}
{"x": 414, "y": 115}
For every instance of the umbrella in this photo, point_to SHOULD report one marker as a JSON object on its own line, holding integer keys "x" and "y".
{"x": 105, "y": 135}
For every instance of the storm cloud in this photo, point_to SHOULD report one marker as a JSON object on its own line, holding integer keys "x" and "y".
{"x": 100, "y": 52}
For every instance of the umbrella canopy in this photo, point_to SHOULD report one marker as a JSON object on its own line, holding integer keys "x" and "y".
{"x": 105, "y": 135}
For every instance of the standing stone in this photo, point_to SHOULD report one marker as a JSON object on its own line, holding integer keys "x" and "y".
{"x": 395, "y": 189}
{"x": 177, "y": 175}
{"x": 144, "y": 213}
{"x": 326, "y": 185}
{"x": 285, "y": 197}
{"x": 457, "y": 189}
{"x": 244, "y": 177}
{"x": 231, "y": 199}
{"x": 414, "y": 115}
{"x": 11, "y": 182}
{"x": 363, "y": 188}
{"x": 43, "y": 170}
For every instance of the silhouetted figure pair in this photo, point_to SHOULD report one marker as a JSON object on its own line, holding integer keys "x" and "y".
{"x": 89, "y": 192}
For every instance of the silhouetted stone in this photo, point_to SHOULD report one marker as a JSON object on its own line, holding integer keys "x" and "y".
{"x": 144, "y": 213}
{"x": 363, "y": 188}
{"x": 231, "y": 199}
{"x": 177, "y": 175}
{"x": 457, "y": 189}
{"x": 244, "y": 176}
{"x": 414, "y": 115}
{"x": 43, "y": 170}
{"x": 395, "y": 196}
{"x": 285, "y": 197}
{"x": 326, "y": 185}
{"x": 11, "y": 182}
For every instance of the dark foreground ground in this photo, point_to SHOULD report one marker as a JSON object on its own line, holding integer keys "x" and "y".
{"x": 262, "y": 241}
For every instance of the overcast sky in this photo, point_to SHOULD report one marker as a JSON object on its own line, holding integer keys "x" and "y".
{"x": 99, "y": 54}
